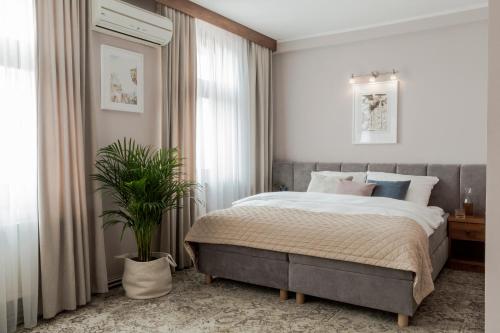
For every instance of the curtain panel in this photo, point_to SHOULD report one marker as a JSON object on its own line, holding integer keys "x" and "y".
{"x": 179, "y": 124}
{"x": 234, "y": 117}
{"x": 72, "y": 260}
{"x": 223, "y": 132}
{"x": 18, "y": 170}
{"x": 261, "y": 115}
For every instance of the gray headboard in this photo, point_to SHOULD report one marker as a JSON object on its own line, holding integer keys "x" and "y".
{"x": 447, "y": 194}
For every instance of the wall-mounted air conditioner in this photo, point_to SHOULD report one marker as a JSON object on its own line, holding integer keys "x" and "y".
{"x": 127, "y": 21}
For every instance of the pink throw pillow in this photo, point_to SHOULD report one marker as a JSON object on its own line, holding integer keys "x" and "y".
{"x": 353, "y": 188}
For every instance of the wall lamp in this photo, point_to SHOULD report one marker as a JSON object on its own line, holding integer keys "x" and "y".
{"x": 373, "y": 76}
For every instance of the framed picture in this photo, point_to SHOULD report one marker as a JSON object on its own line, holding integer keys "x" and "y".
{"x": 122, "y": 80}
{"x": 375, "y": 113}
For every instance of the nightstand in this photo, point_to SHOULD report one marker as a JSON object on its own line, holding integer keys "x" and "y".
{"x": 466, "y": 243}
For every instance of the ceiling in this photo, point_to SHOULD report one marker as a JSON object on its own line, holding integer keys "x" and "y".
{"x": 286, "y": 20}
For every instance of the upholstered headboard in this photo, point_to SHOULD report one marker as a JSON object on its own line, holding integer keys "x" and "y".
{"x": 447, "y": 194}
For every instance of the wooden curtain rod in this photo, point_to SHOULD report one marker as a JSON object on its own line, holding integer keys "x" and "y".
{"x": 197, "y": 11}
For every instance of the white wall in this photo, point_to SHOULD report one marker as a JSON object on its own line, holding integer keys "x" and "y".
{"x": 442, "y": 99}
{"x": 114, "y": 125}
{"x": 493, "y": 177}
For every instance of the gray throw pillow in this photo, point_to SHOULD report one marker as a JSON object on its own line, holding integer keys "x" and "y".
{"x": 390, "y": 189}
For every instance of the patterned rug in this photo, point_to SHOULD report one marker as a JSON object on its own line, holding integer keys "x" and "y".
{"x": 457, "y": 305}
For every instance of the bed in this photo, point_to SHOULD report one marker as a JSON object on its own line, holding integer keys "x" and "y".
{"x": 346, "y": 281}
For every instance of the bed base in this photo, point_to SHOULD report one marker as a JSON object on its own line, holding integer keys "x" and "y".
{"x": 283, "y": 292}
{"x": 374, "y": 287}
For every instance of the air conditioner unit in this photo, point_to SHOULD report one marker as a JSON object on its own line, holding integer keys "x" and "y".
{"x": 127, "y": 21}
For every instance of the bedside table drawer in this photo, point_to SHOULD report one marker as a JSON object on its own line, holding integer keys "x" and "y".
{"x": 466, "y": 231}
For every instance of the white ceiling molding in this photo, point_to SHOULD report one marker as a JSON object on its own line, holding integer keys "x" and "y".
{"x": 435, "y": 21}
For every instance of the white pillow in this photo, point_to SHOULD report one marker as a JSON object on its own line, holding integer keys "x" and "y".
{"x": 420, "y": 186}
{"x": 324, "y": 183}
{"x": 358, "y": 177}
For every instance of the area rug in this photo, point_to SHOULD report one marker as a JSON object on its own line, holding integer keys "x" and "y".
{"x": 457, "y": 305}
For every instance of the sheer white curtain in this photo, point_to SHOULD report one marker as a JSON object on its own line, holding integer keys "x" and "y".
{"x": 18, "y": 167}
{"x": 222, "y": 116}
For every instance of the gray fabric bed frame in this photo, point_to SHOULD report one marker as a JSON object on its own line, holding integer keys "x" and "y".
{"x": 375, "y": 287}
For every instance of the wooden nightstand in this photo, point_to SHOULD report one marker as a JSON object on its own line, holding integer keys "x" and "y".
{"x": 466, "y": 243}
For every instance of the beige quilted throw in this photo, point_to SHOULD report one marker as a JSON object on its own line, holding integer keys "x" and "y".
{"x": 385, "y": 241}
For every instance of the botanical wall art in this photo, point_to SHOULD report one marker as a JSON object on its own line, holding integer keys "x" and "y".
{"x": 122, "y": 83}
{"x": 375, "y": 112}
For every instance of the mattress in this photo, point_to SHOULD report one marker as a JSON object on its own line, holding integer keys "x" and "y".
{"x": 429, "y": 218}
{"x": 437, "y": 237}
{"x": 435, "y": 240}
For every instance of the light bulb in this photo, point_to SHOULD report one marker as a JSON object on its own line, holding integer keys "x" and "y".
{"x": 372, "y": 79}
{"x": 352, "y": 80}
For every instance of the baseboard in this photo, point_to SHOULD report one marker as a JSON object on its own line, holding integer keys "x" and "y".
{"x": 113, "y": 283}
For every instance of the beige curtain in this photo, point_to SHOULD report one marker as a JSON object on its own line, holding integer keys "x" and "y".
{"x": 72, "y": 261}
{"x": 178, "y": 124}
{"x": 261, "y": 129}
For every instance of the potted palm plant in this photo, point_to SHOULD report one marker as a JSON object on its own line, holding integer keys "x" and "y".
{"x": 143, "y": 183}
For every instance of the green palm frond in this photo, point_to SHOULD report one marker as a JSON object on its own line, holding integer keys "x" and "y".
{"x": 144, "y": 183}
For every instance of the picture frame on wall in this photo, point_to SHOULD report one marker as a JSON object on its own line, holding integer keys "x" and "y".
{"x": 375, "y": 113}
{"x": 122, "y": 80}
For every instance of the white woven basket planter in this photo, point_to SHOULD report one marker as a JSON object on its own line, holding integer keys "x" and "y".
{"x": 151, "y": 279}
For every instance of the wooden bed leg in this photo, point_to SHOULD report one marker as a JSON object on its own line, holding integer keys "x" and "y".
{"x": 300, "y": 298}
{"x": 208, "y": 278}
{"x": 283, "y": 295}
{"x": 402, "y": 320}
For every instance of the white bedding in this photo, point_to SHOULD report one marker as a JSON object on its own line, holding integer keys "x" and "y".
{"x": 428, "y": 217}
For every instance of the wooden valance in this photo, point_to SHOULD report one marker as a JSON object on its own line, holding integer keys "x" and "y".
{"x": 202, "y": 13}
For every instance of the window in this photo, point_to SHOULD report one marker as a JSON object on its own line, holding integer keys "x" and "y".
{"x": 222, "y": 116}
